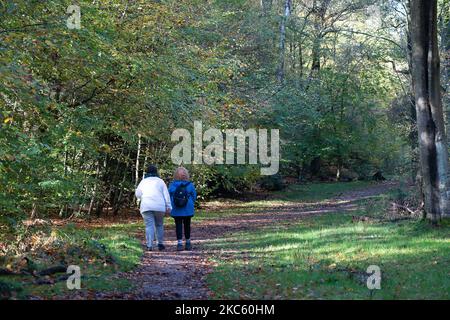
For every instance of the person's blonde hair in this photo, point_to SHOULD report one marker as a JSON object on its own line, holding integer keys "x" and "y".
{"x": 181, "y": 173}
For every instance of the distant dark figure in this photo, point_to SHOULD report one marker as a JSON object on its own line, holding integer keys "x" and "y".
{"x": 378, "y": 176}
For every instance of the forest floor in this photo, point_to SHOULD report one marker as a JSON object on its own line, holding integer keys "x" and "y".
{"x": 311, "y": 241}
{"x": 183, "y": 275}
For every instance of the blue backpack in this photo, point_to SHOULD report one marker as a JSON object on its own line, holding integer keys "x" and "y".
{"x": 181, "y": 196}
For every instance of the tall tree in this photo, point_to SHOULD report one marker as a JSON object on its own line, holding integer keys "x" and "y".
{"x": 430, "y": 119}
{"x": 286, "y": 14}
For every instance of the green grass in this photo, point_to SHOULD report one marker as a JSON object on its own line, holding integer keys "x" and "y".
{"x": 100, "y": 252}
{"x": 318, "y": 257}
{"x": 319, "y": 191}
{"x": 294, "y": 194}
{"x": 326, "y": 256}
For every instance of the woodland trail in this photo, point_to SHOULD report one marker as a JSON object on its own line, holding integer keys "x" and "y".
{"x": 182, "y": 275}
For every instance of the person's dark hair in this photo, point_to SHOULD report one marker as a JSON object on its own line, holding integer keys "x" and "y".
{"x": 152, "y": 170}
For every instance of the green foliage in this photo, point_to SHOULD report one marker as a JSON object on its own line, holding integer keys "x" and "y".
{"x": 73, "y": 103}
{"x": 326, "y": 256}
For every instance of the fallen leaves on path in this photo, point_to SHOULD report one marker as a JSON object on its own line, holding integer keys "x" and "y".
{"x": 182, "y": 275}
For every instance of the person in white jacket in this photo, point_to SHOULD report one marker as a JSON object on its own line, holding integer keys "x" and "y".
{"x": 155, "y": 202}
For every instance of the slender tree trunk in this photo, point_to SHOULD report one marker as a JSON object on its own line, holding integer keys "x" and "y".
{"x": 33, "y": 214}
{"x": 145, "y": 161}
{"x": 430, "y": 119}
{"x": 137, "y": 161}
{"x": 117, "y": 202}
{"x": 94, "y": 189}
{"x": 292, "y": 54}
{"x": 319, "y": 11}
{"x": 101, "y": 202}
{"x": 286, "y": 14}
{"x": 315, "y": 66}
{"x": 415, "y": 171}
{"x": 300, "y": 58}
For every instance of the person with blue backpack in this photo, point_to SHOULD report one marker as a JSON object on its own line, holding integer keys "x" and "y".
{"x": 182, "y": 195}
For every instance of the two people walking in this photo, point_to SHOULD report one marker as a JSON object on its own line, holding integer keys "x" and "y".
{"x": 157, "y": 201}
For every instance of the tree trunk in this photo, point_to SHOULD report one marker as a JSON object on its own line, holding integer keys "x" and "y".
{"x": 286, "y": 14}
{"x": 145, "y": 162}
{"x": 137, "y": 161}
{"x": 430, "y": 119}
{"x": 319, "y": 11}
{"x": 413, "y": 137}
{"x": 94, "y": 189}
{"x": 33, "y": 214}
{"x": 444, "y": 22}
{"x": 315, "y": 66}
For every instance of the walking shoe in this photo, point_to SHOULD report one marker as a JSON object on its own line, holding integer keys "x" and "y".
{"x": 161, "y": 247}
{"x": 179, "y": 247}
{"x": 188, "y": 246}
{"x": 149, "y": 248}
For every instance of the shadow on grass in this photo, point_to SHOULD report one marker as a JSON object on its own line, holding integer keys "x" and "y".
{"x": 325, "y": 257}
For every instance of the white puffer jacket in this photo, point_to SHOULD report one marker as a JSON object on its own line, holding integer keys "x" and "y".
{"x": 152, "y": 192}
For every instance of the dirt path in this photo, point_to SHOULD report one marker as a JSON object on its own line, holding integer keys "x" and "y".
{"x": 182, "y": 275}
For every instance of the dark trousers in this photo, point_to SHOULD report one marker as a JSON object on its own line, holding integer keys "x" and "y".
{"x": 179, "y": 222}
